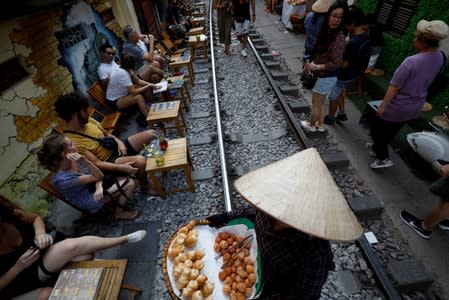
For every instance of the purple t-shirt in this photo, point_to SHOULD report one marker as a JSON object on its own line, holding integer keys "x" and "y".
{"x": 412, "y": 77}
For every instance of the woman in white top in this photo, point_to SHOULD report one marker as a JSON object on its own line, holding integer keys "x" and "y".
{"x": 125, "y": 88}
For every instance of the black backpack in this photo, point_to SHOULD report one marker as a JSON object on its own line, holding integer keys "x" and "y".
{"x": 439, "y": 83}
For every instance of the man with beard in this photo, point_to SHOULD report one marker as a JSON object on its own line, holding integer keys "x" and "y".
{"x": 84, "y": 132}
{"x": 108, "y": 65}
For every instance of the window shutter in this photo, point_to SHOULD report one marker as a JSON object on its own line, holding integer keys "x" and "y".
{"x": 395, "y": 15}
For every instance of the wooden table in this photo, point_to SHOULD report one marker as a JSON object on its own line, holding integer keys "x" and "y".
{"x": 180, "y": 62}
{"x": 183, "y": 90}
{"x": 167, "y": 115}
{"x": 112, "y": 279}
{"x": 198, "y": 41}
{"x": 200, "y": 21}
{"x": 177, "y": 156}
{"x": 197, "y": 31}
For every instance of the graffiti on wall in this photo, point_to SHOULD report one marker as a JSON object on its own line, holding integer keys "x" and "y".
{"x": 79, "y": 41}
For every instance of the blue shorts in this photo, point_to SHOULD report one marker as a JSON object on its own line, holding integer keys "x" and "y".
{"x": 338, "y": 88}
{"x": 243, "y": 27}
{"x": 324, "y": 85}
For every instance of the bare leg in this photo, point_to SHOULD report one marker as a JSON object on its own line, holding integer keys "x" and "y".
{"x": 131, "y": 100}
{"x": 44, "y": 293}
{"x": 139, "y": 139}
{"x": 341, "y": 103}
{"x": 150, "y": 70}
{"x": 244, "y": 40}
{"x": 438, "y": 214}
{"x": 317, "y": 105}
{"x": 332, "y": 108}
{"x": 121, "y": 212}
{"x": 140, "y": 163}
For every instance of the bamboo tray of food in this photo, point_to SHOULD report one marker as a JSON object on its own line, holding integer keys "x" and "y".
{"x": 199, "y": 264}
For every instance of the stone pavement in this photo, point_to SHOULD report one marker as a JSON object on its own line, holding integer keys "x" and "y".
{"x": 397, "y": 187}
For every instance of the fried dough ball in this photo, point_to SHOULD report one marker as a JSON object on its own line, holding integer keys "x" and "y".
{"x": 187, "y": 292}
{"x": 249, "y": 268}
{"x": 241, "y": 287}
{"x": 181, "y": 257}
{"x": 247, "y": 260}
{"x": 177, "y": 270}
{"x": 223, "y": 235}
{"x": 248, "y": 292}
{"x": 190, "y": 254}
{"x": 182, "y": 282}
{"x": 197, "y": 295}
{"x": 222, "y": 275}
{"x": 217, "y": 247}
{"x": 228, "y": 280}
{"x": 208, "y": 288}
{"x": 190, "y": 240}
{"x": 191, "y": 225}
{"x": 193, "y": 285}
{"x": 194, "y": 274}
{"x": 240, "y": 296}
{"x": 198, "y": 265}
{"x": 199, "y": 254}
{"x": 201, "y": 279}
{"x": 224, "y": 245}
{"x": 227, "y": 289}
{"x": 184, "y": 230}
{"x": 186, "y": 271}
{"x": 174, "y": 251}
{"x": 226, "y": 256}
{"x": 242, "y": 274}
{"x": 188, "y": 263}
{"x": 248, "y": 283}
{"x": 252, "y": 278}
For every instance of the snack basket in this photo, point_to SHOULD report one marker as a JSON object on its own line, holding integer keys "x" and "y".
{"x": 167, "y": 266}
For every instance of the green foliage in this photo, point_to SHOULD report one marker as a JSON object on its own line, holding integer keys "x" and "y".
{"x": 395, "y": 49}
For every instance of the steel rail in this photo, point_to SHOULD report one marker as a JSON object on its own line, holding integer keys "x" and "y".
{"x": 223, "y": 161}
{"x": 383, "y": 278}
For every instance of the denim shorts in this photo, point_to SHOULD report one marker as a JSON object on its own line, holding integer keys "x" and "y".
{"x": 324, "y": 85}
{"x": 338, "y": 88}
{"x": 242, "y": 27}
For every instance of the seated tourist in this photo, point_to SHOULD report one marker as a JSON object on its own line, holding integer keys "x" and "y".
{"x": 108, "y": 65}
{"x": 81, "y": 182}
{"x": 125, "y": 88}
{"x": 29, "y": 257}
{"x": 148, "y": 65}
{"x": 84, "y": 132}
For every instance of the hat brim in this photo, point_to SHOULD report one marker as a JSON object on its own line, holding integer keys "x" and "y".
{"x": 300, "y": 192}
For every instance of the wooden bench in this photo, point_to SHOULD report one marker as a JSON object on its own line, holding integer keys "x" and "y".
{"x": 111, "y": 281}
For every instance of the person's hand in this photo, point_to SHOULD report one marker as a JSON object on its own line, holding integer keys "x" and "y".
{"x": 121, "y": 147}
{"x": 380, "y": 111}
{"x": 128, "y": 168}
{"x": 27, "y": 259}
{"x": 43, "y": 241}
{"x": 76, "y": 157}
{"x": 309, "y": 66}
{"x": 444, "y": 170}
{"x": 98, "y": 194}
{"x": 151, "y": 37}
{"x": 218, "y": 219}
{"x": 253, "y": 18}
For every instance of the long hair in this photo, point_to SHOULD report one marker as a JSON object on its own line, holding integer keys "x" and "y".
{"x": 326, "y": 36}
{"x": 127, "y": 62}
{"x": 49, "y": 154}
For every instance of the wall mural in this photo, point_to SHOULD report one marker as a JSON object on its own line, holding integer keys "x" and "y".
{"x": 82, "y": 35}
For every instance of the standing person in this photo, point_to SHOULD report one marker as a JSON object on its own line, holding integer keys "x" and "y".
{"x": 294, "y": 220}
{"x": 148, "y": 65}
{"x": 439, "y": 214}
{"x": 124, "y": 158}
{"x": 126, "y": 89}
{"x": 224, "y": 19}
{"x": 243, "y": 17}
{"x": 328, "y": 55}
{"x": 355, "y": 60}
{"x": 408, "y": 89}
{"x": 81, "y": 182}
{"x": 30, "y": 258}
{"x": 107, "y": 65}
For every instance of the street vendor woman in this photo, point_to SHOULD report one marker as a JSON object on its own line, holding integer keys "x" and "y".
{"x": 298, "y": 210}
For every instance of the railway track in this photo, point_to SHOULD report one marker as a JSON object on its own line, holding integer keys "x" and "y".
{"x": 238, "y": 121}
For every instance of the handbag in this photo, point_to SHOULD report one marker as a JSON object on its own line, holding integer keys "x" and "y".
{"x": 310, "y": 79}
{"x": 107, "y": 142}
{"x": 439, "y": 83}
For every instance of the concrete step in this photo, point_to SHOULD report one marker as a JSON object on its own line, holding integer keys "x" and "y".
{"x": 262, "y": 48}
{"x": 366, "y": 207}
{"x": 258, "y": 41}
{"x": 273, "y": 65}
{"x": 335, "y": 161}
{"x": 299, "y": 107}
{"x": 267, "y": 56}
{"x": 410, "y": 275}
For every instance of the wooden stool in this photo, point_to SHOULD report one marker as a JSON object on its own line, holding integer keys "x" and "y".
{"x": 201, "y": 6}
{"x": 198, "y": 41}
{"x": 197, "y": 22}
{"x": 198, "y": 14}
{"x": 179, "y": 84}
{"x": 197, "y": 31}
{"x": 358, "y": 88}
{"x": 165, "y": 112}
{"x": 177, "y": 156}
{"x": 180, "y": 62}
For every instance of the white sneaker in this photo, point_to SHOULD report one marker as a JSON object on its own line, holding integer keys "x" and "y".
{"x": 321, "y": 128}
{"x": 370, "y": 148}
{"x": 378, "y": 164}
{"x": 244, "y": 53}
{"x": 136, "y": 236}
{"x": 307, "y": 127}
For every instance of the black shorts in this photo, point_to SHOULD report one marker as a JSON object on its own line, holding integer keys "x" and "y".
{"x": 441, "y": 188}
{"x": 112, "y": 104}
{"x": 130, "y": 151}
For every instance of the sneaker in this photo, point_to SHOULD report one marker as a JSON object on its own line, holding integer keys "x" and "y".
{"x": 244, "y": 54}
{"x": 329, "y": 120}
{"x": 370, "y": 148}
{"x": 136, "y": 236}
{"x": 444, "y": 224}
{"x": 341, "y": 117}
{"x": 414, "y": 223}
{"x": 307, "y": 127}
{"x": 321, "y": 129}
{"x": 378, "y": 164}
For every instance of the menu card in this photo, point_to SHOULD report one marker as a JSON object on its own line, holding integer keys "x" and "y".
{"x": 77, "y": 284}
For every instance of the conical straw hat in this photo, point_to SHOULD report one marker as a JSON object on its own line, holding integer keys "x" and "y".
{"x": 300, "y": 192}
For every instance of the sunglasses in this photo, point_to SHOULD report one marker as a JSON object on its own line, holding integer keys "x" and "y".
{"x": 110, "y": 53}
